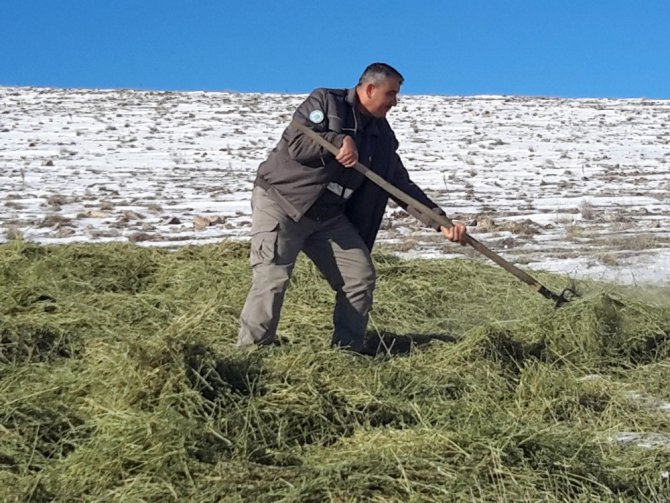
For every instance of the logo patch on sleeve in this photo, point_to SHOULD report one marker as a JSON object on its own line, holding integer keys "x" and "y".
{"x": 316, "y": 116}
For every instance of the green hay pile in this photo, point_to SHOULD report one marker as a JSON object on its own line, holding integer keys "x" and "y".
{"x": 119, "y": 381}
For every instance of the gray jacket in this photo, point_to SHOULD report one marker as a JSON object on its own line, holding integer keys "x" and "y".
{"x": 297, "y": 171}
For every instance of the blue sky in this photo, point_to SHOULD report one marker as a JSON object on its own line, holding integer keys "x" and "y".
{"x": 569, "y": 48}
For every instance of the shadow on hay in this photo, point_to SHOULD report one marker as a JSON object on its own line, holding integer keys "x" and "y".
{"x": 49, "y": 432}
{"x": 512, "y": 354}
{"x": 631, "y": 343}
{"x": 213, "y": 375}
{"x": 392, "y": 344}
{"x": 29, "y": 343}
{"x": 650, "y": 350}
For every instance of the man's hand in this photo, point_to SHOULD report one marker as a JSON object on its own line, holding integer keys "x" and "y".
{"x": 348, "y": 154}
{"x": 455, "y": 233}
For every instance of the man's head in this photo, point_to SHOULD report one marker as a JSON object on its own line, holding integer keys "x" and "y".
{"x": 378, "y": 89}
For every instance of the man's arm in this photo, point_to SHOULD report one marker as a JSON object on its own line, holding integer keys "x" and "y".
{"x": 313, "y": 113}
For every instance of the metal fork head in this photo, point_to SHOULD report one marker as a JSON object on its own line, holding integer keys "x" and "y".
{"x": 567, "y": 295}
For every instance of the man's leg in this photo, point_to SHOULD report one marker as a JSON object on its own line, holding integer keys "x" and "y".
{"x": 341, "y": 255}
{"x": 275, "y": 243}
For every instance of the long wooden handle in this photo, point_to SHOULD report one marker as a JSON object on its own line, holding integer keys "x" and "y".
{"x": 430, "y": 214}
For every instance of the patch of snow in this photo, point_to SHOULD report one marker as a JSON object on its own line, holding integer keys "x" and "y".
{"x": 642, "y": 440}
{"x": 573, "y": 186}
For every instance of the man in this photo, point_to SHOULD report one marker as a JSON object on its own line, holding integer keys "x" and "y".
{"x": 308, "y": 200}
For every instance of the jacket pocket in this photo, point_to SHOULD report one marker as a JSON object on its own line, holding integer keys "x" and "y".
{"x": 264, "y": 244}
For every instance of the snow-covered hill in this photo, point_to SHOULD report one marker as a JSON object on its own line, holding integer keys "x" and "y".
{"x": 578, "y": 186}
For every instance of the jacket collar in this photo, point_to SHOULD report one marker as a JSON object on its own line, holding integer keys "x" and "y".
{"x": 373, "y": 125}
{"x": 351, "y": 98}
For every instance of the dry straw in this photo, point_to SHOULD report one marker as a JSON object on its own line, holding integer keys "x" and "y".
{"x": 119, "y": 381}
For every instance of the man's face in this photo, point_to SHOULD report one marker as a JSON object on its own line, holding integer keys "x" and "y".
{"x": 381, "y": 97}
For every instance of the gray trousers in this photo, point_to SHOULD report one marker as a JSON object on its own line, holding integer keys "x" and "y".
{"x": 336, "y": 249}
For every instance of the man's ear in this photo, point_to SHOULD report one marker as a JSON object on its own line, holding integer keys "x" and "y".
{"x": 369, "y": 88}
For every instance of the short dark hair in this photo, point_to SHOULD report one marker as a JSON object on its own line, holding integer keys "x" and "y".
{"x": 376, "y": 72}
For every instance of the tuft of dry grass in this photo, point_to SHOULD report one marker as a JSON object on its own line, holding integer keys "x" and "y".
{"x": 586, "y": 210}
